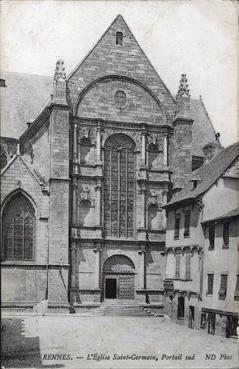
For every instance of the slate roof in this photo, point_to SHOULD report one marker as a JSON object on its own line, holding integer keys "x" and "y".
{"x": 22, "y": 100}
{"x": 26, "y": 94}
{"x": 208, "y": 174}
{"x": 203, "y": 130}
{"x": 230, "y": 214}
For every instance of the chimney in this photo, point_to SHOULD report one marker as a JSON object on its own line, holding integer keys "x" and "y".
{"x": 210, "y": 150}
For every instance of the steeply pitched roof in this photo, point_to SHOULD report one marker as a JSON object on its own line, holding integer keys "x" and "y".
{"x": 22, "y": 100}
{"x": 230, "y": 214}
{"x": 203, "y": 130}
{"x": 208, "y": 174}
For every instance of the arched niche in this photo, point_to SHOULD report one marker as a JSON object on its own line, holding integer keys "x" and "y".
{"x": 155, "y": 217}
{"x": 85, "y": 213}
{"x": 86, "y": 151}
{"x": 155, "y": 156}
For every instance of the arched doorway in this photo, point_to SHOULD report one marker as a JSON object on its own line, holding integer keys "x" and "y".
{"x": 118, "y": 278}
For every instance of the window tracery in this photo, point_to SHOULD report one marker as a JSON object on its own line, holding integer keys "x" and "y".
{"x": 18, "y": 229}
{"x": 119, "y": 169}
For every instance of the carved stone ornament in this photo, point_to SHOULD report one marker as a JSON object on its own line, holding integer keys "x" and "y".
{"x": 183, "y": 89}
{"x": 153, "y": 141}
{"x": 85, "y": 194}
{"x": 88, "y": 133}
{"x": 60, "y": 71}
{"x": 132, "y": 134}
{"x": 153, "y": 198}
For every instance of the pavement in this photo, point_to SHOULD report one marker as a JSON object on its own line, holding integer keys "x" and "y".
{"x": 111, "y": 343}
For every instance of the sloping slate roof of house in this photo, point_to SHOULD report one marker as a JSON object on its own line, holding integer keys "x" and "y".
{"x": 230, "y": 214}
{"x": 208, "y": 174}
{"x": 22, "y": 100}
{"x": 26, "y": 94}
{"x": 203, "y": 130}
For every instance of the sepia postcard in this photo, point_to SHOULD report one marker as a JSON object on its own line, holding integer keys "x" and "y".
{"x": 119, "y": 156}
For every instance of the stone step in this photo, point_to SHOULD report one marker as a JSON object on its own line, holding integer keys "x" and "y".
{"x": 117, "y": 310}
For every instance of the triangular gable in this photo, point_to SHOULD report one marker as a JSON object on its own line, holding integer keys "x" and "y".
{"x": 29, "y": 170}
{"x": 107, "y": 58}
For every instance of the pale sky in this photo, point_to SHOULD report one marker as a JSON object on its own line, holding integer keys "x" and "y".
{"x": 199, "y": 38}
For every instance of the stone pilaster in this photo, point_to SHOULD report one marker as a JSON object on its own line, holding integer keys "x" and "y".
{"x": 97, "y": 252}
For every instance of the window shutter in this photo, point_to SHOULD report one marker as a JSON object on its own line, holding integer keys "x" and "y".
{"x": 223, "y": 287}
{"x": 187, "y": 223}
{"x": 211, "y": 236}
{"x": 188, "y": 262}
{"x": 236, "y": 294}
{"x": 177, "y": 271}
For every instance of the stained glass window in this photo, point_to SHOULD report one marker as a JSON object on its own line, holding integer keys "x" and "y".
{"x": 18, "y": 229}
{"x": 119, "y": 171}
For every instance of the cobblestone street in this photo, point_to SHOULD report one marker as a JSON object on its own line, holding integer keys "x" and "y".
{"x": 111, "y": 342}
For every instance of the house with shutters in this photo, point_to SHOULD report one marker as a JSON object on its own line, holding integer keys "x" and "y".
{"x": 202, "y": 245}
{"x": 83, "y": 185}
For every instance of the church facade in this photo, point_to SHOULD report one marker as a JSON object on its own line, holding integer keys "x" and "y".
{"x": 83, "y": 188}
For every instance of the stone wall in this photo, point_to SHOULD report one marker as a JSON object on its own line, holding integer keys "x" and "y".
{"x": 108, "y": 58}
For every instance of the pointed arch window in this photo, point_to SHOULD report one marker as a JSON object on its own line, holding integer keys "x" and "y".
{"x": 18, "y": 229}
{"x": 119, "y": 171}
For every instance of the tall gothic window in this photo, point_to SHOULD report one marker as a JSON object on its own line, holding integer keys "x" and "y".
{"x": 18, "y": 224}
{"x": 119, "y": 170}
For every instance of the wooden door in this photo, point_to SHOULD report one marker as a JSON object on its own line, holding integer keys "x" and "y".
{"x": 126, "y": 286}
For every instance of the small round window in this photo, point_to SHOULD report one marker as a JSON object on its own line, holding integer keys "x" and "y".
{"x": 120, "y": 99}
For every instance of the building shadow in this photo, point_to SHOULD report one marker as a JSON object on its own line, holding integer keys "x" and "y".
{"x": 17, "y": 350}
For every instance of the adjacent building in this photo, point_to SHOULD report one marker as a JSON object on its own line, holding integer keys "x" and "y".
{"x": 201, "y": 274}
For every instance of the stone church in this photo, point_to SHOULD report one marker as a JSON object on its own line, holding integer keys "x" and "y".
{"x": 82, "y": 188}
